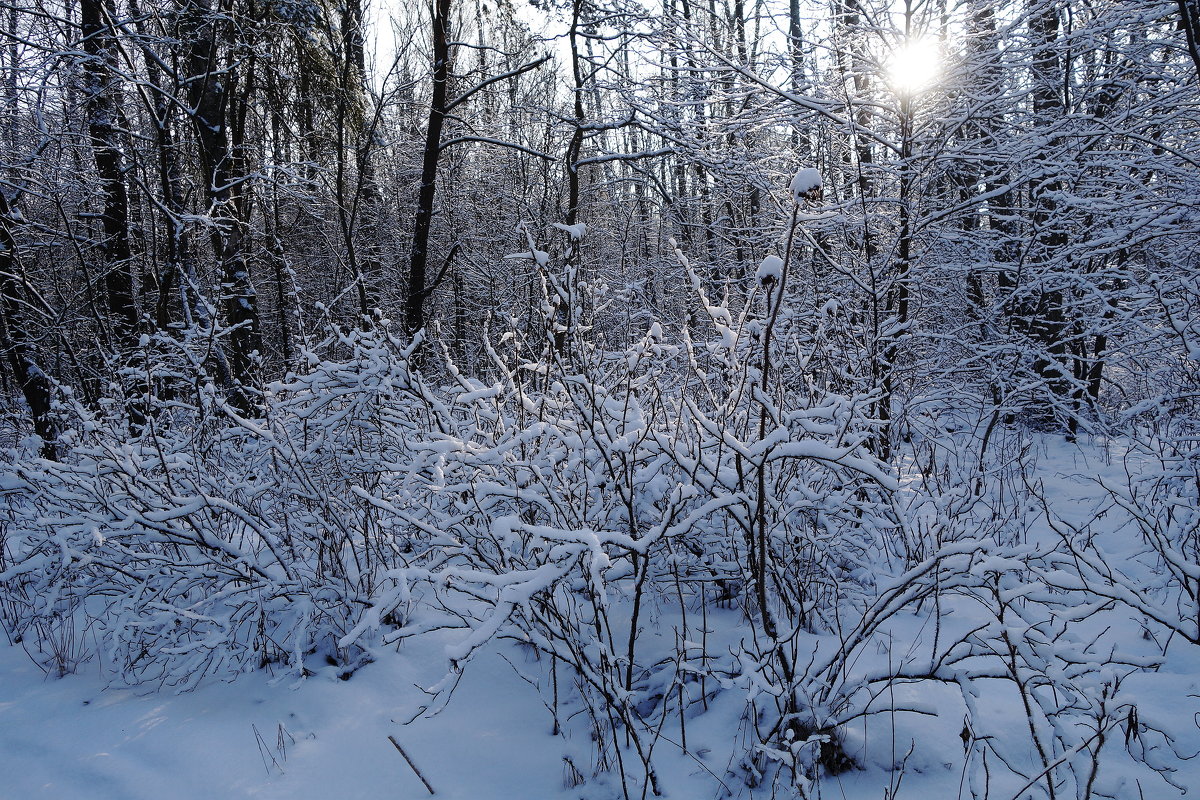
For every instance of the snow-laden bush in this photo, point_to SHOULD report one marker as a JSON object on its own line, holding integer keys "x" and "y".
{"x": 672, "y": 520}
{"x": 596, "y": 504}
{"x": 209, "y": 544}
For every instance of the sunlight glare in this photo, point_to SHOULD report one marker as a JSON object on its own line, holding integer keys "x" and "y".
{"x": 914, "y": 66}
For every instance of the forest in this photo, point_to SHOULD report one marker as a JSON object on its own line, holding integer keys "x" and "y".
{"x": 783, "y": 399}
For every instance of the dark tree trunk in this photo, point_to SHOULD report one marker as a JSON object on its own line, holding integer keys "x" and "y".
{"x": 15, "y": 336}
{"x": 419, "y": 257}
{"x": 899, "y": 293}
{"x": 1045, "y": 317}
{"x": 358, "y": 208}
{"x": 1189, "y": 20}
{"x": 178, "y": 302}
{"x": 179, "y": 299}
{"x": 211, "y": 100}
{"x": 102, "y": 98}
{"x": 576, "y": 142}
{"x": 854, "y": 62}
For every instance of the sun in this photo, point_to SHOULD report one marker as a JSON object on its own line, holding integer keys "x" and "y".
{"x": 915, "y": 65}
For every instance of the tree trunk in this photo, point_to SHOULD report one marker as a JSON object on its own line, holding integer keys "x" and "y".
{"x": 419, "y": 256}
{"x": 1045, "y": 318}
{"x": 102, "y": 98}
{"x": 576, "y": 141}
{"x": 210, "y": 99}
{"x": 1189, "y": 20}
{"x": 15, "y": 332}
{"x": 358, "y": 209}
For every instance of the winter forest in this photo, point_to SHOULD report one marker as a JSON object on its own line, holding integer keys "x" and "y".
{"x": 600, "y": 399}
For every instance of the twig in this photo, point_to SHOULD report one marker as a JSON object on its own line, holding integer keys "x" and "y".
{"x": 264, "y": 750}
{"x": 400, "y": 749}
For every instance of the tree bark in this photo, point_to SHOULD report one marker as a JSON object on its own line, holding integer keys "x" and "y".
{"x": 102, "y": 98}
{"x": 419, "y": 255}
{"x": 358, "y": 208}
{"x": 210, "y": 99}
{"x": 1189, "y": 20}
{"x": 1045, "y": 318}
{"x": 15, "y": 332}
{"x": 576, "y": 142}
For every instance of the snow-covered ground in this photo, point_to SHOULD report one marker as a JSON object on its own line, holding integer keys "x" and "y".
{"x": 323, "y": 738}
{"x": 328, "y": 738}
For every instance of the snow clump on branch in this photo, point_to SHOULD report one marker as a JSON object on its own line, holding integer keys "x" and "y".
{"x": 770, "y": 270}
{"x": 806, "y": 185}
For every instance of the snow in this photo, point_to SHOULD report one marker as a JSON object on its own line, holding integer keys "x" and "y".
{"x": 539, "y": 257}
{"x": 575, "y": 232}
{"x": 804, "y": 182}
{"x": 323, "y": 737}
{"x": 771, "y": 269}
{"x": 72, "y": 738}
{"x": 483, "y": 572}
